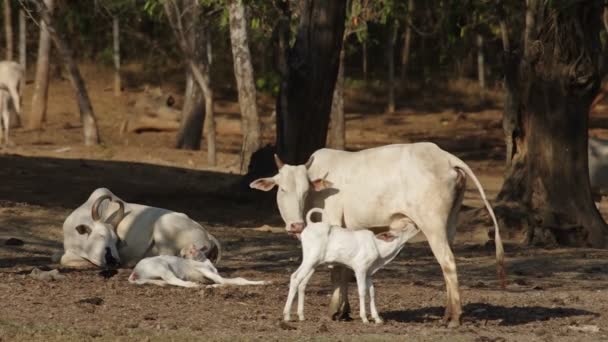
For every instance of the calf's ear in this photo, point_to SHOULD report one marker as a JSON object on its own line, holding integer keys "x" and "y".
{"x": 83, "y": 229}
{"x": 386, "y": 236}
{"x": 264, "y": 184}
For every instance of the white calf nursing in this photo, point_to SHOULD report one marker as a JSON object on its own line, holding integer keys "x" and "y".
{"x": 359, "y": 250}
{"x": 190, "y": 267}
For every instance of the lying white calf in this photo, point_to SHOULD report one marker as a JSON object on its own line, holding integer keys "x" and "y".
{"x": 359, "y": 250}
{"x": 193, "y": 266}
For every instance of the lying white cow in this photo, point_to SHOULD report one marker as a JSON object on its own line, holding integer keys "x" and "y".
{"x": 190, "y": 267}
{"x": 5, "y": 115}
{"x": 598, "y": 167}
{"x": 11, "y": 75}
{"x": 360, "y": 250}
{"x": 382, "y": 187}
{"x": 99, "y": 232}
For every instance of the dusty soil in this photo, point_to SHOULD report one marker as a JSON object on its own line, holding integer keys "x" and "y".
{"x": 552, "y": 294}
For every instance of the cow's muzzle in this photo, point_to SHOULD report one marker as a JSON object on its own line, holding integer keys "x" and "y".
{"x": 110, "y": 260}
{"x": 296, "y": 228}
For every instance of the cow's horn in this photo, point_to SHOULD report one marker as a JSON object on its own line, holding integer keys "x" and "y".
{"x": 95, "y": 207}
{"x": 278, "y": 161}
{"x": 309, "y": 162}
{"x": 118, "y": 215}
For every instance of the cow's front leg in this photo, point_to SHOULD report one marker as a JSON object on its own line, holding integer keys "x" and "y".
{"x": 339, "y": 309}
{"x": 69, "y": 259}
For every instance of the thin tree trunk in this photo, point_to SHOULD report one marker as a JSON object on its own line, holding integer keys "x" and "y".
{"x": 554, "y": 84}
{"x": 116, "y": 40}
{"x": 364, "y": 56}
{"x": 243, "y": 72}
{"x": 304, "y": 101}
{"x": 22, "y": 41}
{"x": 407, "y": 40}
{"x": 8, "y": 29}
{"x": 200, "y": 69}
{"x": 41, "y": 84}
{"x": 87, "y": 116}
{"x": 481, "y": 70}
{"x": 337, "y": 129}
{"x": 390, "y": 52}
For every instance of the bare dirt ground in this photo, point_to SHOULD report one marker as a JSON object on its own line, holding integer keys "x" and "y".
{"x": 552, "y": 294}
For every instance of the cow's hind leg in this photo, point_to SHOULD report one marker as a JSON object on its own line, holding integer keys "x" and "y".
{"x": 339, "y": 309}
{"x": 459, "y": 188}
{"x": 435, "y": 232}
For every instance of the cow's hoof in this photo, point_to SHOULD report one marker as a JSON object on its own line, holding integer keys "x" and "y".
{"x": 455, "y": 323}
{"x": 379, "y": 321}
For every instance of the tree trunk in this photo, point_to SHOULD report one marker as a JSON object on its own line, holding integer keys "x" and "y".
{"x": 194, "y": 51}
{"x": 407, "y": 40}
{"x": 364, "y": 56}
{"x": 304, "y": 101}
{"x": 553, "y": 84}
{"x": 8, "y": 29}
{"x": 22, "y": 41}
{"x": 243, "y": 72}
{"x": 87, "y": 116}
{"x": 193, "y": 116}
{"x": 337, "y": 129}
{"x": 116, "y": 40}
{"x": 390, "y": 54}
{"x": 41, "y": 84}
{"x": 481, "y": 70}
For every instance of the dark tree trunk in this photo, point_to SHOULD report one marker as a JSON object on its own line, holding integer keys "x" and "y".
{"x": 116, "y": 55}
{"x": 193, "y": 112}
{"x": 390, "y": 60}
{"x": 337, "y": 129}
{"x": 552, "y": 87}
{"x": 304, "y": 102}
{"x": 87, "y": 116}
{"x": 407, "y": 41}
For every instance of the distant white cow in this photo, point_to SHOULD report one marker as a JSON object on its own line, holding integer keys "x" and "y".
{"x": 5, "y": 115}
{"x": 360, "y": 250}
{"x": 11, "y": 75}
{"x": 382, "y": 187}
{"x": 107, "y": 231}
{"x": 190, "y": 267}
{"x": 598, "y": 167}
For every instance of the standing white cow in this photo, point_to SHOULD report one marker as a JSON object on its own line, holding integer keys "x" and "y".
{"x": 5, "y": 114}
{"x": 11, "y": 75}
{"x": 382, "y": 187}
{"x": 598, "y": 167}
{"x": 106, "y": 231}
{"x": 11, "y": 78}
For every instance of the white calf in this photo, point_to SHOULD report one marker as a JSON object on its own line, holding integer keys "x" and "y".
{"x": 11, "y": 75}
{"x": 359, "y": 250}
{"x": 183, "y": 271}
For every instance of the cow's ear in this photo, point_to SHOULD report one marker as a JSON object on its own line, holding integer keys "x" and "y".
{"x": 264, "y": 184}
{"x": 386, "y": 236}
{"x": 321, "y": 184}
{"x": 83, "y": 229}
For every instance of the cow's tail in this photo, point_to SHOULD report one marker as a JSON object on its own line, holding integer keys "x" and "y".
{"x": 218, "y": 249}
{"x": 311, "y": 212}
{"x": 500, "y": 252}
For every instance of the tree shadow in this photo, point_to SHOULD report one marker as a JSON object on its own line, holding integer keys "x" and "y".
{"x": 507, "y": 316}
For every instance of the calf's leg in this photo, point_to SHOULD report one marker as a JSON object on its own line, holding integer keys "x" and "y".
{"x": 372, "y": 300}
{"x": 362, "y": 289}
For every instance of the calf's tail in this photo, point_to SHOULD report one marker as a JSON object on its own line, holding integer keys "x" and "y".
{"x": 311, "y": 212}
